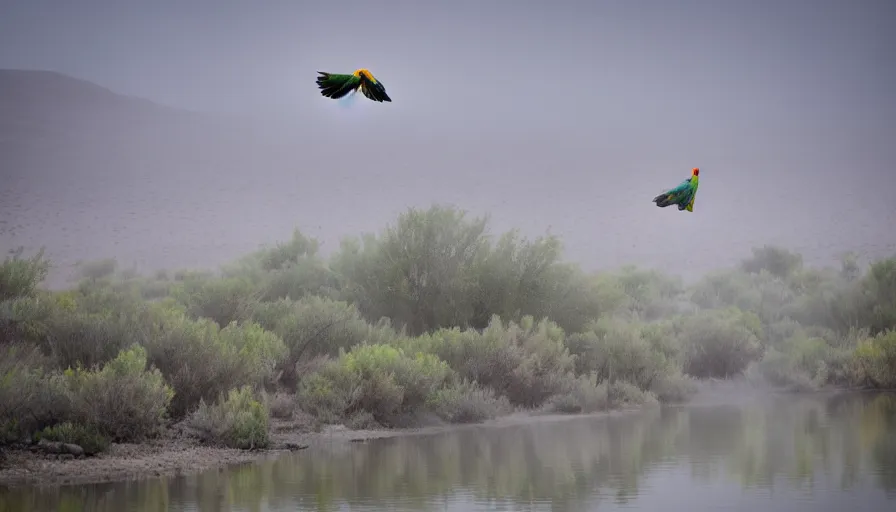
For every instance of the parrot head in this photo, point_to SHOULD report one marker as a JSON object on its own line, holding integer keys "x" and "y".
{"x": 695, "y": 172}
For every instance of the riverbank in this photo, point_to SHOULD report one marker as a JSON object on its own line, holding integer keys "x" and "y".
{"x": 175, "y": 454}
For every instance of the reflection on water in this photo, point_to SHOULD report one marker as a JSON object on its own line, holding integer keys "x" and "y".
{"x": 785, "y": 453}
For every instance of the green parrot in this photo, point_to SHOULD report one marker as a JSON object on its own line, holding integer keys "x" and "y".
{"x": 336, "y": 86}
{"x": 683, "y": 195}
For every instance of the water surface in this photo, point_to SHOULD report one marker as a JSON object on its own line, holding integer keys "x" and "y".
{"x": 782, "y": 453}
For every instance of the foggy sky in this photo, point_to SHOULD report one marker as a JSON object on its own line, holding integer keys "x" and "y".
{"x": 563, "y": 114}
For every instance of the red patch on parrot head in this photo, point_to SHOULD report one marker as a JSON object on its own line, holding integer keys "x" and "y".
{"x": 695, "y": 171}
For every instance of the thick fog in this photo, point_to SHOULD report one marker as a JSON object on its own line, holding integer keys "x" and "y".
{"x": 566, "y": 116}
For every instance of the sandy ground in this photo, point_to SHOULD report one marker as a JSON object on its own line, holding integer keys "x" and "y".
{"x": 174, "y": 455}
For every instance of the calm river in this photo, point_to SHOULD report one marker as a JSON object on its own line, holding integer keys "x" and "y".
{"x": 782, "y": 453}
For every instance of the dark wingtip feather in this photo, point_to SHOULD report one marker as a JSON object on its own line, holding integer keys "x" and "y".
{"x": 375, "y": 91}
{"x": 662, "y": 200}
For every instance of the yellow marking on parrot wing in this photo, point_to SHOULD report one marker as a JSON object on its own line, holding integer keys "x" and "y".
{"x": 365, "y": 73}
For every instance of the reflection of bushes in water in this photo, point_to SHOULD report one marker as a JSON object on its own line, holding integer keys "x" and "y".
{"x": 879, "y": 424}
{"x": 559, "y": 461}
{"x": 364, "y": 337}
{"x": 144, "y": 495}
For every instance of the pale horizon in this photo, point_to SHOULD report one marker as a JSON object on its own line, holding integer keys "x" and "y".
{"x": 568, "y": 116}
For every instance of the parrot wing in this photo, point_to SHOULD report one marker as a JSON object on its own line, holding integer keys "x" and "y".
{"x": 336, "y": 86}
{"x": 682, "y": 195}
{"x": 374, "y": 90}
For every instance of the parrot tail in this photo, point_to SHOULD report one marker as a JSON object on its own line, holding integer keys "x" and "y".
{"x": 663, "y": 200}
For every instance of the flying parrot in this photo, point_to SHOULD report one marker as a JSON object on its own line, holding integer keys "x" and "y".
{"x": 683, "y": 195}
{"x": 336, "y": 86}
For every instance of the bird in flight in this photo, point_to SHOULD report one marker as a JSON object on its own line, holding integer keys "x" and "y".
{"x": 336, "y": 86}
{"x": 683, "y": 195}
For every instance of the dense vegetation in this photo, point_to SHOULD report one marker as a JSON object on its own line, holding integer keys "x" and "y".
{"x": 431, "y": 318}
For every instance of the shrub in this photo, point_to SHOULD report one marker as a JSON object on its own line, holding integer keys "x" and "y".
{"x": 202, "y": 361}
{"x": 804, "y": 363}
{"x": 421, "y": 272}
{"x": 673, "y": 387}
{"x": 626, "y": 394}
{"x": 221, "y": 299}
{"x": 315, "y": 326}
{"x": 19, "y": 277}
{"x": 775, "y": 260}
{"x": 238, "y": 420}
{"x": 649, "y": 294}
{"x": 76, "y": 327}
{"x": 31, "y": 396}
{"x": 467, "y": 402}
{"x": 719, "y": 343}
{"x": 281, "y": 405}
{"x": 582, "y": 395}
{"x": 527, "y": 363}
{"x": 123, "y": 400}
{"x": 378, "y": 379}
{"x": 437, "y": 268}
{"x": 875, "y": 360}
{"x": 879, "y": 293}
{"x": 258, "y": 351}
{"x": 287, "y": 270}
{"x": 517, "y": 277}
{"x": 615, "y": 349}
{"x": 89, "y": 439}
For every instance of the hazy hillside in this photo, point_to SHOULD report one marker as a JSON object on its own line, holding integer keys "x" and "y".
{"x": 89, "y": 173}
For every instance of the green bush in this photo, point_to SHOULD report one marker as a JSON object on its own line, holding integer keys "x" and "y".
{"x": 201, "y": 361}
{"x": 777, "y": 261}
{"x": 290, "y": 270}
{"x": 315, "y": 326}
{"x": 583, "y": 395}
{"x": 805, "y": 363}
{"x": 282, "y": 405}
{"x": 525, "y": 362}
{"x": 437, "y": 268}
{"x": 238, "y": 420}
{"x": 220, "y": 299}
{"x": 879, "y": 292}
{"x": 421, "y": 272}
{"x": 89, "y": 439}
{"x": 31, "y": 395}
{"x": 123, "y": 400}
{"x": 615, "y": 349}
{"x": 673, "y": 387}
{"x": 20, "y": 277}
{"x": 875, "y": 361}
{"x": 467, "y": 402}
{"x": 626, "y": 394}
{"x": 719, "y": 343}
{"x": 378, "y": 379}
